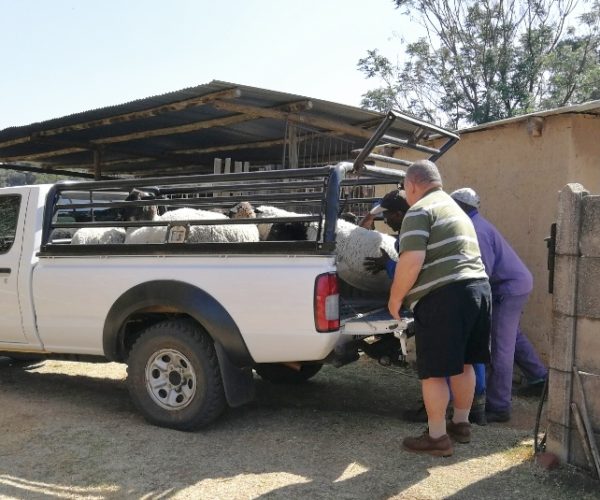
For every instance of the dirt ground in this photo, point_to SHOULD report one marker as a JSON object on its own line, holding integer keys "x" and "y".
{"x": 70, "y": 431}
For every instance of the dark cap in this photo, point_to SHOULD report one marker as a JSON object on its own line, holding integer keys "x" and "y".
{"x": 394, "y": 201}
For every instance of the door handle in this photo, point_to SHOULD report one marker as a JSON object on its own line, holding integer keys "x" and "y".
{"x": 5, "y": 270}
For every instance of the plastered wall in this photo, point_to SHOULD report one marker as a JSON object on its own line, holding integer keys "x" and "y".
{"x": 518, "y": 169}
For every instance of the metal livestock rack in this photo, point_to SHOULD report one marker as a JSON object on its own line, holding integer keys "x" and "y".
{"x": 322, "y": 193}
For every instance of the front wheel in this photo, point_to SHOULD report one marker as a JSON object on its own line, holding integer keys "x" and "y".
{"x": 173, "y": 376}
{"x": 282, "y": 374}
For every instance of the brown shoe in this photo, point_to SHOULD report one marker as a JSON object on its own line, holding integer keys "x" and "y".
{"x": 460, "y": 432}
{"x": 440, "y": 447}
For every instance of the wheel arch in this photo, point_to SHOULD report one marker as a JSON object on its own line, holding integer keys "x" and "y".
{"x": 177, "y": 297}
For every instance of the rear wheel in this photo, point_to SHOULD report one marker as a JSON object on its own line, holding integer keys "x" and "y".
{"x": 281, "y": 374}
{"x": 174, "y": 377}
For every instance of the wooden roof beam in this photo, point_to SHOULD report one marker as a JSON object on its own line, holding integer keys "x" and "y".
{"x": 47, "y": 154}
{"x": 199, "y": 151}
{"x": 233, "y": 147}
{"x": 214, "y": 149}
{"x": 205, "y": 124}
{"x": 73, "y": 147}
{"x": 45, "y": 170}
{"x": 217, "y": 122}
{"x": 127, "y": 117}
{"x": 323, "y": 123}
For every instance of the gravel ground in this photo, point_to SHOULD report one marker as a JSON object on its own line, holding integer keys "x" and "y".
{"x": 70, "y": 431}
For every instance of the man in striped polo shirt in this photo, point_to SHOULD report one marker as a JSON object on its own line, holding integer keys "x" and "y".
{"x": 441, "y": 277}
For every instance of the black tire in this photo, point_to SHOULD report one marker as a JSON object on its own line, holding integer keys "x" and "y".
{"x": 278, "y": 373}
{"x": 173, "y": 376}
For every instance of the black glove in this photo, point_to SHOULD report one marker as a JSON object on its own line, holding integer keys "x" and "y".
{"x": 376, "y": 264}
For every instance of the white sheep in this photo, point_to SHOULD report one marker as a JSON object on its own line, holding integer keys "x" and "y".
{"x": 226, "y": 233}
{"x": 158, "y": 234}
{"x": 353, "y": 244}
{"x": 98, "y": 236}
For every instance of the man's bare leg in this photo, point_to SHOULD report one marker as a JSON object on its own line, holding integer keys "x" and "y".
{"x": 463, "y": 391}
{"x": 436, "y": 397}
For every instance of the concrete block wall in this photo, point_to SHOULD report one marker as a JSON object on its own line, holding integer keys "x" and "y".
{"x": 576, "y": 322}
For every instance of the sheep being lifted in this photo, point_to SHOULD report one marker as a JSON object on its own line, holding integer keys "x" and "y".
{"x": 353, "y": 244}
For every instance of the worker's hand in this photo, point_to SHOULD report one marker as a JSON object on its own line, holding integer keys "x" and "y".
{"x": 394, "y": 306}
{"x": 376, "y": 264}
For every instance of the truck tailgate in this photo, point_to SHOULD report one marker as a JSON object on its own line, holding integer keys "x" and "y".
{"x": 374, "y": 322}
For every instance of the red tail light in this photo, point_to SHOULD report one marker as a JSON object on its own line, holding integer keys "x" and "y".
{"x": 327, "y": 303}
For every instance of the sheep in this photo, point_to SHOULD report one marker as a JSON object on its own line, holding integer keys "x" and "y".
{"x": 353, "y": 244}
{"x": 158, "y": 234}
{"x": 226, "y": 233}
{"x": 287, "y": 231}
{"x": 98, "y": 236}
{"x": 145, "y": 212}
{"x": 115, "y": 235}
{"x": 280, "y": 230}
{"x": 242, "y": 210}
{"x": 349, "y": 217}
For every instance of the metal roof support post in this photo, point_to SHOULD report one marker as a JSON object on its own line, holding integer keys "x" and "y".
{"x": 292, "y": 144}
{"x": 97, "y": 164}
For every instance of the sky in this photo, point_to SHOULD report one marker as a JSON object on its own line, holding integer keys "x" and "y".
{"x": 60, "y": 57}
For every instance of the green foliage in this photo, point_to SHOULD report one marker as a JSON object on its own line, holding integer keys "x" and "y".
{"x": 9, "y": 214}
{"x": 486, "y": 60}
{"x": 15, "y": 178}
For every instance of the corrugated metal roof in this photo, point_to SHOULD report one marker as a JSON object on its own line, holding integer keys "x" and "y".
{"x": 187, "y": 129}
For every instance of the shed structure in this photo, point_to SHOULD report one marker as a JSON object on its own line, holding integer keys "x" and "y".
{"x": 218, "y": 127}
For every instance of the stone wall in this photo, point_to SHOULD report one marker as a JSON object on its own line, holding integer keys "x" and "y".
{"x": 576, "y": 322}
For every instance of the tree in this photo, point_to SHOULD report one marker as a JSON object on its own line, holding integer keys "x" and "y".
{"x": 484, "y": 60}
{"x": 10, "y": 178}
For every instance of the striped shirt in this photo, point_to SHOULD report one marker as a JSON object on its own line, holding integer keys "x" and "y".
{"x": 439, "y": 226}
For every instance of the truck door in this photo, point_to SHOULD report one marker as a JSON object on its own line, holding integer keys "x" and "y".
{"x": 12, "y": 215}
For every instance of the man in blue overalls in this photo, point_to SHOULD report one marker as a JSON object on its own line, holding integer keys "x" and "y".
{"x": 511, "y": 284}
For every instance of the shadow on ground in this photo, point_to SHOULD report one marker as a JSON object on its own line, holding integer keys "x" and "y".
{"x": 70, "y": 431}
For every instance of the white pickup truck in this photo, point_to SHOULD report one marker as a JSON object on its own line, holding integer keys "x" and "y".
{"x": 191, "y": 320}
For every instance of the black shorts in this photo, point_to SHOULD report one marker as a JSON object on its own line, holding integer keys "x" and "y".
{"x": 452, "y": 328}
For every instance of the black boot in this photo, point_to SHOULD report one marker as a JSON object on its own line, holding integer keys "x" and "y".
{"x": 477, "y": 413}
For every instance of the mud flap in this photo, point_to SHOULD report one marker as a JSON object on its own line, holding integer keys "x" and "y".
{"x": 238, "y": 383}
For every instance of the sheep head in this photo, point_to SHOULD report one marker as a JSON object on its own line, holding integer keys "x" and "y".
{"x": 242, "y": 210}
{"x": 146, "y": 212}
